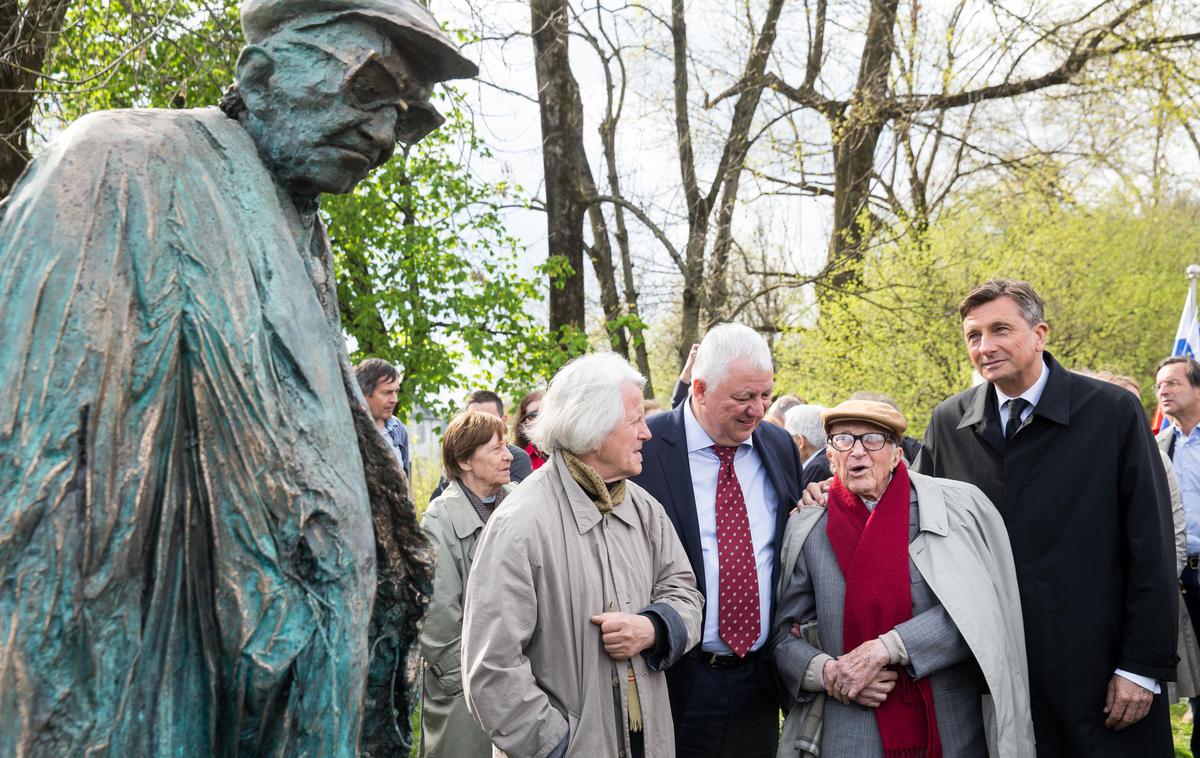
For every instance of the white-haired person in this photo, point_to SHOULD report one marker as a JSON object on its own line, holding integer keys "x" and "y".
{"x": 804, "y": 423}
{"x": 580, "y": 594}
{"x": 727, "y": 482}
{"x": 476, "y": 459}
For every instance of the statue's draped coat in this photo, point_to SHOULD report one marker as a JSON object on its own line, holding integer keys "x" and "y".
{"x": 187, "y": 559}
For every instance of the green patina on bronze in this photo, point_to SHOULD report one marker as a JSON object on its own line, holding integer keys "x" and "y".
{"x": 206, "y": 548}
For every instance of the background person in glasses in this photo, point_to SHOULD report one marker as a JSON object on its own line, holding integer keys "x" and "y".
{"x": 242, "y": 550}
{"x": 911, "y": 585}
{"x": 529, "y": 409}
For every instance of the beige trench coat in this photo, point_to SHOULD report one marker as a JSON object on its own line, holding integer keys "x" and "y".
{"x": 447, "y": 728}
{"x": 534, "y": 665}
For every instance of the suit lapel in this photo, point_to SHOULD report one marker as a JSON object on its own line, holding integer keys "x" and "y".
{"x": 681, "y": 500}
{"x": 984, "y": 418}
{"x": 774, "y": 467}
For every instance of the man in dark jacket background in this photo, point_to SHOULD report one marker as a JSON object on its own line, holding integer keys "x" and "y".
{"x": 1070, "y": 463}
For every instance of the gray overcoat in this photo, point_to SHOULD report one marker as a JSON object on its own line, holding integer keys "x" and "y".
{"x": 447, "y": 728}
{"x": 534, "y": 666}
{"x": 966, "y": 632}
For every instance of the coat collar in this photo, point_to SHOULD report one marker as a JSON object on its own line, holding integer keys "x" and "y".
{"x": 581, "y": 506}
{"x": 981, "y": 410}
{"x": 931, "y": 504}
{"x": 463, "y": 518}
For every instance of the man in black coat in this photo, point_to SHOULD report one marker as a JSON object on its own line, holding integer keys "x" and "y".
{"x": 728, "y": 483}
{"x": 1070, "y": 463}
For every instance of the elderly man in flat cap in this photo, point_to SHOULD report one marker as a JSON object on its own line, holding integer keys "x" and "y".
{"x": 898, "y": 610}
{"x": 199, "y": 522}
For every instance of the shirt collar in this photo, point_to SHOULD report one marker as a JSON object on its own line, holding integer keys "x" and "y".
{"x": 391, "y": 423}
{"x": 811, "y": 458}
{"x": 1191, "y": 435}
{"x": 697, "y": 438}
{"x": 1034, "y": 393}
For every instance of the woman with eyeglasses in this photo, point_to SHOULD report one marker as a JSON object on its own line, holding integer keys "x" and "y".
{"x": 476, "y": 458}
{"x": 527, "y": 412}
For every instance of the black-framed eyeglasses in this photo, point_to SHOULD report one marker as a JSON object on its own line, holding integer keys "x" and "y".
{"x": 370, "y": 84}
{"x": 871, "y": 441}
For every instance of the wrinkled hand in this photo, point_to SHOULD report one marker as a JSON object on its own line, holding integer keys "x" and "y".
{"x": 878, "y": 689}
{"x": 685, "y": 376}
{"x": 625, "y": 634}
{"x": 1127, "y": 703}
{"x": 871, "y": 696}
{"x": 814, "y": 494}
{"x": 856, "y": 669}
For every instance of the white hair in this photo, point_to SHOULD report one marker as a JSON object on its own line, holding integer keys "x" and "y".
{"x": 723, "y": 345}
{"x": 584, "y": 403}
{"x": 805, "y": 421}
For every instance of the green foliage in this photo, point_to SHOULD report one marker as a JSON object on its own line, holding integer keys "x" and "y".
{"x": 154, "y": 54}
{"x": 427, "y": 275}
{"x": 1112, "y": 277}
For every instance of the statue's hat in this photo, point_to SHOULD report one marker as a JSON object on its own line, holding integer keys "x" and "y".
{"x": 405, "y": 21}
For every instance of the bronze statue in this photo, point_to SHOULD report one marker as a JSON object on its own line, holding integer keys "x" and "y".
{"x": 206, "y": 548}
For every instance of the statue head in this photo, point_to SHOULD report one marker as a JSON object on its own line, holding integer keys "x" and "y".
{"x": 328, "y": 87}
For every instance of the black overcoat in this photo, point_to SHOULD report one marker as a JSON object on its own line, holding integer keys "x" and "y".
{"x": 1082, "y": 491}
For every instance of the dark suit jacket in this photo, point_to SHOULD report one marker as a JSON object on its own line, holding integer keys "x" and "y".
{"x": 1084, "y": 496}
{"x": 817, "y": 470}
{"x": 667, "y": 476}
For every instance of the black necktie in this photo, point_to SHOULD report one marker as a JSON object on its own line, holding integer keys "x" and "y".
{"x": 1016, "y": 407}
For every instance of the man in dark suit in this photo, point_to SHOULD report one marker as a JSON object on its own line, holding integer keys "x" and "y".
{"x": 727, "y": 483}
{"x": 1070, "y": 463}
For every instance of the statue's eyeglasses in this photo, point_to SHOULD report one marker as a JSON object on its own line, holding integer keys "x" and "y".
{"x": 871, "y": 441}
{"x": 370, "y": 85}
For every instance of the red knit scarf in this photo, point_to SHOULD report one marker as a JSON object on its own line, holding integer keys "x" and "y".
{"x": 872, "y": 550}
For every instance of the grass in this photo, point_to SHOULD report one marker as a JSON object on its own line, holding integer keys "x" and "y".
{"x": 1181, "y": 731}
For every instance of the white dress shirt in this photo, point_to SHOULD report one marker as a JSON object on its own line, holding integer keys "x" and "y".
{"x": 761, "y": 508}
{"x": 1033, "y": 395}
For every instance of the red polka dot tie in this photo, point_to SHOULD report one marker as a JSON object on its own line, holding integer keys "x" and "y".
{"x": 737, "y": 598}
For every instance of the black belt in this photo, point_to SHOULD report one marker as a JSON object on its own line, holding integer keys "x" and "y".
{"x": 717, "y": 661}
{"x": 1193, "y": 562}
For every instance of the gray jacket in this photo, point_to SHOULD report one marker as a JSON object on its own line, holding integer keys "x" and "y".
{"x": 447, "y": 728}
{"x": 966, "y": 632}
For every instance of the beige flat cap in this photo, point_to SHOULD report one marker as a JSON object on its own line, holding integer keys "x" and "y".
{"x": 870, "y": 411}
{"x": 405, "y": 21}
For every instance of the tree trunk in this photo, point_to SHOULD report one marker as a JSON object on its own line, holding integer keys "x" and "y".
{"x": 737, "y": 145}
{"x": 854, "y": 151}
{"x": 601, "y": 254}
{"x": 608, "y": 139}
{"x": 562, "y": 132}
{"x": 698, "y": 205}
{"x": 27, "y": 36}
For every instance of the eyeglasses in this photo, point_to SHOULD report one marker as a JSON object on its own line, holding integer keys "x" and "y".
{"x": 871, "y": 441}
{"x": 370, "y": 84}
{"x": 1169, "y": 384}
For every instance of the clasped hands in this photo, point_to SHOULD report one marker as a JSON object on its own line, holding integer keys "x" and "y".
{"x": 859, "y": 676}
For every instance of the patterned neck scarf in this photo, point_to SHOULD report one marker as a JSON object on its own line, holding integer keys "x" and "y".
{"x": 605, "y": 496}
